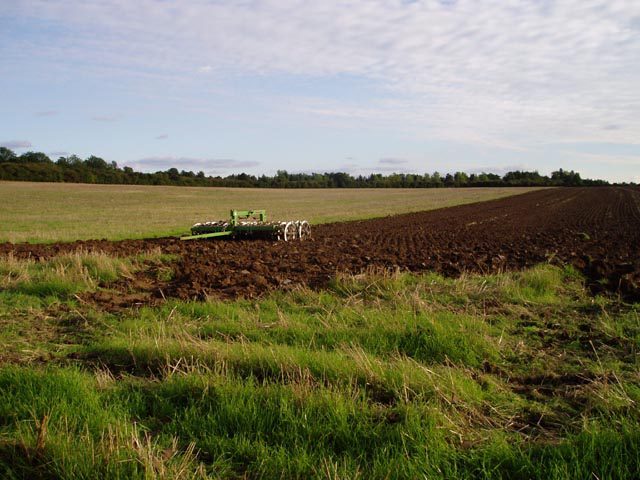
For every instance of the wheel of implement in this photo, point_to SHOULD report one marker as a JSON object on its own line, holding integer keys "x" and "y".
{"x": 290, "y": 232}
{"x": 304, "y": 230}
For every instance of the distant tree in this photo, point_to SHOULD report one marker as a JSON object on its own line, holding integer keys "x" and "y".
{"x": 75, "y": 160}
{"x": 483, "y": 178}
{"x": 448, "y": 180}
{"x": 36, "y": 166}
{"x": 518, "y": 177}
{"x": 173, "y": 174}
{"x": 96, "y": 163}
{"x": 460, "y": 179}
{"x": 567, "y": 179}
{"x": 7, "y": 155}
{"x": 34, "y": 157}
{"x": 340, "y": 179}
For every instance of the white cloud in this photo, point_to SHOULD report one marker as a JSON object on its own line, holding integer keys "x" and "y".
{"x": 502, "y": 73}
{"x": 163, "y": 136}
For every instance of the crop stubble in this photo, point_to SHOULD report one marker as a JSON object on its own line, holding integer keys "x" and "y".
{"x": 597, "y": 230}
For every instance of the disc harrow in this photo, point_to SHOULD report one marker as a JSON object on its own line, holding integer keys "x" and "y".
{"x": 251, "y": 224}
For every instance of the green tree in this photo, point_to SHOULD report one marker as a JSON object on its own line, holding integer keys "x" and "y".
{"x": 96, "y": 163}
{"x": 567, "y": 179}
{"x": 7, "y": 155}
{"x": 460, "y": 179}
{"x": 34, "y": 157}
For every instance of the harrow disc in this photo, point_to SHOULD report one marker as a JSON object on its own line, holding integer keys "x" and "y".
{"x": 289, "y": 231}
{"x": 304, "y": 230}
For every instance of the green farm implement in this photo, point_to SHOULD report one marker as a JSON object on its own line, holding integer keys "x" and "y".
{"x": 251, "y": 224}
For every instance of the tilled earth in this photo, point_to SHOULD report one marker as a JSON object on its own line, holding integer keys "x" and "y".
{"x": 595, "y": 229}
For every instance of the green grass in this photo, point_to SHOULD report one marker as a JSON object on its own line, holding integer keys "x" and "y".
{"x": 40, "y": 299}
{"x": 48, "y": 212}
{"x": 388, "y": 375}
{"x": 70, "y": 273}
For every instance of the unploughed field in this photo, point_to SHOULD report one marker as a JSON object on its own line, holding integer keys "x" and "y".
{"x": 491, "y": 340}
{"x": 50, "y": 212}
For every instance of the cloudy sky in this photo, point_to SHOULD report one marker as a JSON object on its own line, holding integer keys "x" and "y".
{"x": 357, "y": 85}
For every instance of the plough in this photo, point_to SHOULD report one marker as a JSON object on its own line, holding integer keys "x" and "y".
{"x": 251, "y": 224}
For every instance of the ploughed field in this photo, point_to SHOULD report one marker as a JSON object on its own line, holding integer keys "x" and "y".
{"x": 109, "y": 370}
{"x": 597, "y": 230}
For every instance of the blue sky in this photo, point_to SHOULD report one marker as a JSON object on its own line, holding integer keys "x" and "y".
{"x": 358, "y": 86}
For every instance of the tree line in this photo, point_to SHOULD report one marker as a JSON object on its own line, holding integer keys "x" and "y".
{"x": 38, "y": 167}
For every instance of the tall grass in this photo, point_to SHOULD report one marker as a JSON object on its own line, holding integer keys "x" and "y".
{"x": 69, "y": 424}
{"x": 56, "y": 424}
{"x": 385, "y": 375}
{"x": 67, "y": 274}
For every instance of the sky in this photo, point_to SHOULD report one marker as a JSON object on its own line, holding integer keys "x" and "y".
{"x": 359, "y": 86}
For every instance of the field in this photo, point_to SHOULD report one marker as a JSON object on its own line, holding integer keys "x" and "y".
{"x": 490, "y": 340}
{"x": 593, "y": 229}
{"x": 48, "y": 212}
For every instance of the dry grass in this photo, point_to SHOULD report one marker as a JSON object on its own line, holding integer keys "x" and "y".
{"x": 48, "y": 212}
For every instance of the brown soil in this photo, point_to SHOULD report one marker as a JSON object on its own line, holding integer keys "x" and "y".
{"x": 595, "y": 229}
